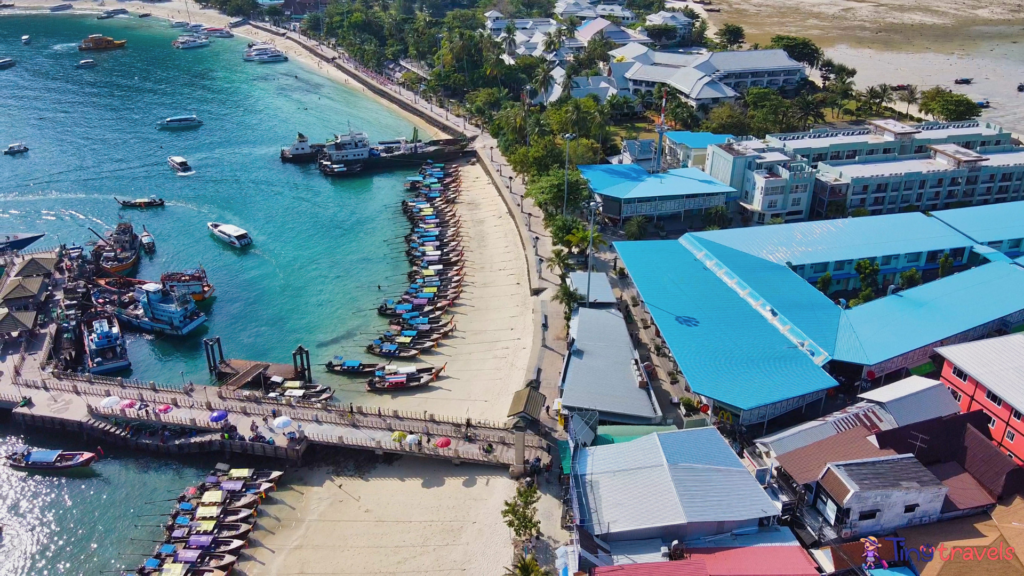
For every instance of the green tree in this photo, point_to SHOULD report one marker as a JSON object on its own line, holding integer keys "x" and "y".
{"x": 569, "y": 299}
{"x": 910, "y": 95}
{"x": 945, "y": 265}
{"x": 799, "y": 48}
{"x": 526, "y": 566}
{"x": 662, "y": 33}
{"x": 681, "y": 114}
{"x": 808, "y": 110}
{"x": 910, "y": 278}
{"x": 559, "y": 262}
{"x": 581, "y": 238}
{"x": 868, "y": 272}
{"x": 731, "y": 35}
{"x": 560, "y": 227}
{"x": 864, "y": 296}
{"x": 953, "y": 107}
{"x": 274, "y": 13}
{"x": 520, "y": 512}
{"x": 548, "y": 191}
{"x": 835, "y": 209}
{"x": 824, "y": 283}
{"x": 311, "y": 23}
{"x": 726, "y": 118}
{"x": 584, "y": 151}
{"x": 716, "y": 216}
{"x": 859, "y": 212}
{"x": 774, "y": 221}
{"x": 636, "y": 228}
{"x": 542, "y": 156}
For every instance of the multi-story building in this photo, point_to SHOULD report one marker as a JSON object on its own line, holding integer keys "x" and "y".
{"x": 949, "y": 176}
{"x": 772, "y": 183}
{"x": 689, "y": 149}
{"x": 989, "y": 375}
{"x": 680, "y": 22}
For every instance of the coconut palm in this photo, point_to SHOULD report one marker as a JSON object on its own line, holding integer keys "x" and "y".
{"x": 636, "y": 228}
{"x": 509, "y": 38}
{"x": 568, "y": 298}
{"x": 580, "y": 239}
{"x": 808, "y": 110}
{"x": 842, "y": 91}
{"x": 885, "y": 95}
{"x": 515, "y": 119}
{"x": 910, "y": 96}
{"x": 544, "y": 79}
{"x": 559, "y": 262}
{"x": 553, "y": 41}
{"x": 571, "y": 25}
{"x": 526, "y": 566}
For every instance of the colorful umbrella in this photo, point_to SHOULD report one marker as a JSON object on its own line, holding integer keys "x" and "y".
{"x": 110, "y": 401}
{"x": 443, "y": 442}
{"x": 282, "y": 422}
{"x": 127, "y": 404}
{"x": 165, "y": 409}
{"x": 398, "y": 436}
{"x": 218, "y": 416}
{"x": 412, "y": 439}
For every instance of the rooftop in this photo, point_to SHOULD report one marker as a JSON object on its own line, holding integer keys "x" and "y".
{"x": 890, "y": 168}
{"x": 805, "y": 465}
{"x": 914, "y": 399}
{"x": 740, "y": 60}
{"x": 862, "y": 414}
{"x": 998, "y": 363}
{"x": 629, "y": 181}
{"x": 697, "y": 139}
{"x": 902, "y": 472}
{"x": 600, "y": 287}
{"x": 1009, "y": 158}
{"x": 599, "y": 374}
{"x": 687, "y": 476}
{"x": 987, "y": 223}
{"x": 894, "y": 126}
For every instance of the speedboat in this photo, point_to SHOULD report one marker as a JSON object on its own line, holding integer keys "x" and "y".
{"x": 230, "y": 234}
{"x": 16, "y": 148}
{"x": 26, "y": 39}
{"x": 269, "y": 57}
{"x": 260, "y": 50}
{"x": 86, "y": 64}
{"x": 197, "y": 27}
{"x": 179, "y": 164}
{"x": 175, "y": 122}
{"x": 218, "y": 32}
{"x": 179, "y": 24}
{"x": 17, "y": 241}
{"x": 148, "y": 242}
{"x": 6, "y": 63}
{"x": 101, "y": 42}
{"x": 151, "y": 202}
{"x": 24, "y": 458}
{"x": 187, "y": 42}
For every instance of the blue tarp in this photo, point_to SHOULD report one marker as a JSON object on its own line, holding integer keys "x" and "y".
{"x": 42, "y": 456}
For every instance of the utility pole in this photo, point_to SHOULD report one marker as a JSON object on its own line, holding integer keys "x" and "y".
{"x": 660, "y": 129}
{"x": 565, "y": 198}
{"x": 593, "y": 206}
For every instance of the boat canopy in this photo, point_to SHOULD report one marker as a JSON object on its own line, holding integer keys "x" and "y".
{"x": 186, "y": 506}
{"x": 395, "y": 379}
{"x": 411, "y": 315}
{"x": 390, "y": 347}
{"x": 424, "y": 296}
{"x": 232, "y": 485}
{"x": 403, "y": 307}
{"x": 409, "y": 332}
{"x": 420, "y": 301}
{"x": 168, "y": 549}
{"x": 179, "y": 533}
{"x": 187, "y": 556}
{"x": 213, "y": 497}
{"x": 352, "y": 363}
{"x": 42, "y": 456}
{"x": 181, "y": 521}
{"x": 415, "y": 178}
{"x": 418, "y": 321}
{"x": 403, "y": 340}
{"x": 153, "y": 563}
{"x": 174, "y": 570}
{"x": 292, "y": 385}
{"x": 200, "y": 541}
{"x": 407, "y": 370}
{"x": 240, "y": 473}
{"x": 208, "y": 512}
{"x": 205, "y": 526}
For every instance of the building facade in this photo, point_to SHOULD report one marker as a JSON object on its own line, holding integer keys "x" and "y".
{"x": 772, "y": 183}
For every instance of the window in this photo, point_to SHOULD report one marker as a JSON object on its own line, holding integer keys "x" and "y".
{"x": 851, "y": 154}
{"x": 868, "y": 515}
{"x": 956, "y": 395}
{"x": 914, "y": 258}
{"x": 841, "y": 265}
{"x": 1010, "y": 436}
{"x": 991, "y": 420}
{"x": 820, "y": 268}
{"x": 911, "y": 508}
{"x": 886, "y": 261}
{"x": 795, "y": 202}
{"x": 872, "y": 152}
{"x": 959, "y": 374}
{"x": 1016, "y": 415}
{"x": 888, "y": 150}
{"x": 1014, "y": 244}
{"x": 837, "y": 155}
{"x": 993, "y": 398}
{"x": 772, "y": 204}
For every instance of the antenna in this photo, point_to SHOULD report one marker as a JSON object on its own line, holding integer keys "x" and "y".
{"x": 917, "y": 441}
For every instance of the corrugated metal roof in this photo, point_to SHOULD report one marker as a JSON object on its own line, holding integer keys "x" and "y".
{"x": 726, "y": 349}
{"x": 911, "y": 319}
{"x": 697, "y": 140}
{"x": 687, "y": 476}
{"x": 617, "y": 434}
{"x": 842, "y": 239}
{"x": 662, "y": 568}
{"x": 986, "y": 223}
{"x": 998, "y": 363}
{"x": 902, "y": 472}
{"x": 600, "y": 287}
{"x": 599, "y": 375}
{"x": 805, "y": 465}
{"x": 914, "y": 399}
{"x": 633, "y": 182}
{"x": 770, "y": 561}
{"x": 964, "y": 491}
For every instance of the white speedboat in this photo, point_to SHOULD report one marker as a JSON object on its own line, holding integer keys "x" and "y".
{"x": 26, "y": 39}
{"x": 179, "y": 164}
{"x": 16, "y": 148}
{"x": 269, "y": 57}
{"x": 197, "y": 27}
{"x": 218, "y": 32}
{"x": 179, "y": 24}
{"x": 6, "y": 63}
{"x": 230, "y": 234}
{"x": 188, "y": 42}
{"x": 176, "y": 122}
{"x": 86, "y": 64}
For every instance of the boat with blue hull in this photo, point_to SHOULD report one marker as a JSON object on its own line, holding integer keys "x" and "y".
{"x": 104, "y": 345}
{"x": 17, "y": 241}
{"x": 157, "y": 309}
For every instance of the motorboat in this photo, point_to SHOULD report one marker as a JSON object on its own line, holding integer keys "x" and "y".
{"x": 151, "y": 202}
{"x": 15, "y": 149}
{"x": 26, "y": 39}
{"x": 61, "y": 7}
{"x": 301, "y": 151}
{"x": 107, "y": 14}
{"x": 177, "y": 122}
{"x": 248, "y": 474}
{"x": 86, "y": 64}
{"x": 157, "y": 309}
{"x": 25, "y": 458}
{"x": 238, "y": 22}
{"x": 984, "y": 103}
{"x": 355, "y": 367}
{"x": 6, "y": 63}
{"x": 269, "y": 57}
{"x": 188, "y": 42}
{"x": 145, "y": 15}
{"x": 104, "y": 346}
{"x": 218, "y": 32}
{"x": 963, "y": 80}
{"x": 17, "y": 241}
{"x": 179, "y": 164}
{"x": 148, "y": 242}
{"x": 264, "y": 53}
{"x": 101, "y": 42}
{"x": 196, "y": 26}
{"x": 179, "y": 24}
{"x": 1020, "y": 87}
{"x": 230, "y": 234}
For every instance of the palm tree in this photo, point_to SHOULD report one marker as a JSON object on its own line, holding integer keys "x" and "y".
{"x": 636, "y": 228}
{"x": 580, "y": 239}
{"x": 910, "y": 95}
{"x": 885, "y": 95}
{"x": 681, "y": 114}
{"x": 509, "y": 39}
{"x": 808, "y": 110}
{"x": 571, "y": 24}
{"x": 515, "y": 119}
{"x": 843, "y": 91}
{"x": 568, "y": 298}
{"x": 544, "y": 79}
{"x": 559, "y": 260}
{"x": 526, "y": 566}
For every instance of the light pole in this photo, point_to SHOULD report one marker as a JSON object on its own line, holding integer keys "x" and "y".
{"x": 565, "y": 198}
{"x": 593, "y": 206}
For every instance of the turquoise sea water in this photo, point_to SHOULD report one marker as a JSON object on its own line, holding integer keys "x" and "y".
{"x": 321, "y": 246}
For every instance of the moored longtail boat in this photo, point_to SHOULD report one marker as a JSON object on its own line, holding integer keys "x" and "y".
{"x": 402, "y": 379}
{"x": 354, "y": 367}
{"x": 378, "y": 348}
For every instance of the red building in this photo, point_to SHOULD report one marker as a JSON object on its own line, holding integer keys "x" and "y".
{"x": 988, "y": 375}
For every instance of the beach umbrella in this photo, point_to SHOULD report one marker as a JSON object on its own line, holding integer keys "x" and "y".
{"x": 398, "y": 436}
{"x": 218, "y": 416}
{"x": 282, "y": 422}
{"x": 110, "y": 401}
{"x": 165, "y": 409}
{"x": 126, "y": 404}
{"x": 412, "y": 439}
{"x": 443, "y": 442}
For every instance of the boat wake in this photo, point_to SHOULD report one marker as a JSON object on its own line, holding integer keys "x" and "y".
{"x": 69, "y": 47}
{"x": 187, "y": 173}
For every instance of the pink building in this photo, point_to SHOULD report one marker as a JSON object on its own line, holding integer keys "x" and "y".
{"x": 988, "y": 375}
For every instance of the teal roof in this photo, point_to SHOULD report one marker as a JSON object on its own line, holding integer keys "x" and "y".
{"x": 725, "y": 347}
{"x": 617, "y": 434}
{"x": 988, "y": 223}
{"x": 843, "y": 239}
{"x": 630, "y": 181}
{"x": 697, "y": 139}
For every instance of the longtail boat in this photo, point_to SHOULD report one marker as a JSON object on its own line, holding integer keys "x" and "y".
{"x": 343, "y": 366}
{"x": 378, "y": 348}
{"x": 402, "y": 379}
{"x": 25, "y": 458}
{"x": 248, "y": 474}
{"x": 211, "y": 528}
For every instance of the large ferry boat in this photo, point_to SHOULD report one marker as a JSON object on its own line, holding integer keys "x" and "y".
{"x": 101, "y": 42}
{"x": 119, "y": 251}
{"x": 104, "y": 347}
{"x": 157, "y": 309}
{"x": 354, "y": 152}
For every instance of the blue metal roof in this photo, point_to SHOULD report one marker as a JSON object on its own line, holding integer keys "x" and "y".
{"x": 697, "y": 139}
{"x": 891, "y": 326}
{"x": 843, "y": 239}
{"x": 630, "y": 181}
{"x": 991, "y": 222}
{"x": 726, "y": 348}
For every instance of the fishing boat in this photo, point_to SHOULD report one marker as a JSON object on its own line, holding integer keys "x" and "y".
{"x": 179, "y": 122}
{"x": 15, "y": 149}
{"x": 157, "y": 309}
{"x": 191, "y": 282}
{"x": 328, "y": 168}
{"x": 26, "y": 39}
{"x": 104, "y": 345}
{"x": 238, "y": 22}
{"x": 85, "y": 64}
{"x": 327, "y": 394}
{"x": 230, "y": 234}
{"x": 438, "y": 272}
{"x": 248, "y": 474}
{"x": 6, "y": 63}
{"x": 403, "y": 378}
{"x": 151, "y": 202}
{"x": 195, "y": 558}
{"x": 148, "y": 242}
{"x": 354, "y": 367}
{"x": 17, "y": 241}
{"x": 187, "y": 512}
{"x": 409, "y": 338}
{"x": 118, "y": 251}
{"x": 101, "y": 42}
{"x": 378, "y": 348}
{"x": 301, "y": 151}
{"x": 210, "y": 530}
{"x": 230, "y": 499}
{"x": 145, "y": 15}
{"x": 154, "y": 567}
{"x": 240, "y": 486}
{"x": 25, "y": 458}
{"x": 179, "y": 164}
{"x": 279, "y": 384}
